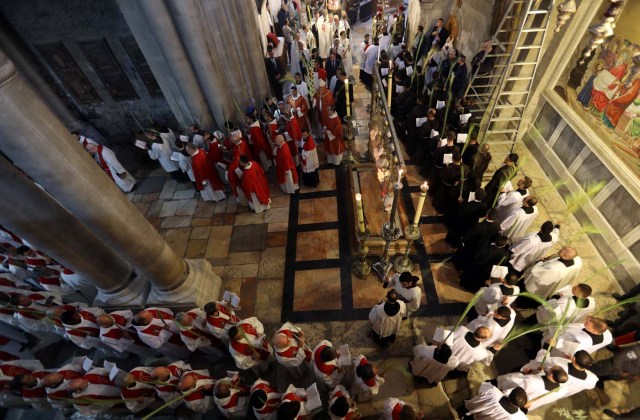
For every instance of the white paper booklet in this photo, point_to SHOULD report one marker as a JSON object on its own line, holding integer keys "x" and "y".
{"x": 464, "y": 118}
{"x": 313, "y": 398}
{"x": 461, "y": 138}
{"x": 175, "y": 156}
{"x": 440, "y": 104}
{"x": 499, "y": 272}
{"x": 141, "y": 144}
{"x": 344, "y": 358}
{"x": 420, "y": 121}
{"x": 447, "y": 158}
{"x": 232, "y": 298}
{"x": 440, "y": 334}
{"x": 434, "y": 133}
{"x": 508, "y": 186}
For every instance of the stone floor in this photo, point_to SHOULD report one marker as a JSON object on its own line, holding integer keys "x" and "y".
{"x": 293, "y": 263}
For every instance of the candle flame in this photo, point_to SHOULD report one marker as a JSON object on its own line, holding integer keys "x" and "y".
{"x": 358, "y": 196}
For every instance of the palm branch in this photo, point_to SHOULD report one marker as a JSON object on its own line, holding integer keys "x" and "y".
{"x": 617, "y": 305}
{"x": 541, "y": 300}
{"x": 520, "y": 331}
{"x": 470, "y": 305}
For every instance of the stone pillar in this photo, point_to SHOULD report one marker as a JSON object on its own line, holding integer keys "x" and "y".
{"x": 153, "y": 28}
{"x": 32, "y": 214}
{"x": 37, "y": 142}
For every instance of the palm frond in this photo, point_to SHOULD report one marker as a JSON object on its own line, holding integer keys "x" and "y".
{"x": 470, "y": 305}
{"x": 541, "y": 300}
{"x": 549, "y": 188}
{"x": 617, "y": 305}
{"x": 520, "y": 331}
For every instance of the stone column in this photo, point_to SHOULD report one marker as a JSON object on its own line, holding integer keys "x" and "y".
{"x": 37, "y": 142}
{"x": 153, "y": 28}
{"x": 32, "y": 214}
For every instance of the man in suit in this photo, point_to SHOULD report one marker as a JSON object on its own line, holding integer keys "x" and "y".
{"x": 332, "y": 65}
{"x": 275, "y": 72}
{"x": 439, "y": 34}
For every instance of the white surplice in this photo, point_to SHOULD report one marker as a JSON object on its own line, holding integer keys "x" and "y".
{"x": 544, "y": 278}
{"x": 528, "y": 249}
{"x": 424, "y": 365}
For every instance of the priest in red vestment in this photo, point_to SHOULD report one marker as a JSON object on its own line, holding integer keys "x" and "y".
{"x": 272, "y": 131}
{"x": 233, "y": 163}
{"x": 207, "y": 180}
{"x": 285, "y": 168}
{"x": 309, "y": 160}
{"x": 333, "y": 143}
{"x": 254, "y": 185}
{"x": 293, "y": 135}
{"x": 261, "y": 148}
{"x": 299, "y": 107}
{"x": 322, "y": 99}
{"x": 240, "y": 146}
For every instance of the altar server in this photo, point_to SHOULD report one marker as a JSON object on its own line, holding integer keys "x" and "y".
{"x": 468, "y": 349}
{"x": 516, "y": 224}
{"x": 325, "y": 364}
{"x": 500, "y": 322}
{"x": 249, "y": 346}
{"x": 167, "y": 379}
{"x": 264, "y": 400}
{"x": 197, "y": 388}
{"x": 111, "y": 166}
{"x": 386, "y": 319}
{"x": 207, "y": 180}
{"x": 291, "y": 350}
{"x": 254, "y": 185}
{"x": 156, "y": 328}
{"x": 94, "y": 393}
{"x": 530, "y": 248}
{"x": 553, "y": 273}
{"x": 432, "y": 362}
{"x": 231, "y": 397}
{"x": 490, "y": 403}
{"x": 541, "y": 388}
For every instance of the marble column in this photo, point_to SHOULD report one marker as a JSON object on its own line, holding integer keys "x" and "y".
{"x": 33, "y": 215}
{"x": 37, "y": 142}
{"x": 152, "y": 26}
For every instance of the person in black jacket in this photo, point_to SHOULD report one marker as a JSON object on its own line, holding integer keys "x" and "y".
{"x": 500, "y": 177}
{"x": 439, "y": 35}
{"x": 479, "y": 236}
{"x": 467, "y": 216}
{"x": 275, "y": 72}
{"x": 481, "y": 261}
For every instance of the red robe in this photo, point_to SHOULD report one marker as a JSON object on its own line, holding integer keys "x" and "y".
{"x": 599, "y": 98}
{"x": 234, "y": 181}
{"x": 254, "y": 181}
{"x": 284, "y": 163}
{"x": 215, "y": 152}
{"x": 309, "y": 144}
{"x": 203, "y": 170}
{"x": 323, "y": 98}
{"x": 259, "y": 140}
{"x": 293, "y": 129}
{"x": 335, "y": 146}
{"x": 322, "y": 74}
{"x": 301, "y": 103}
{"x": 617, "y": 106}
{"x": 242, "y": 148}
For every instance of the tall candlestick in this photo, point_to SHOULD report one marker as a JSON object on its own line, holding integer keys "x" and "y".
{"x": 423, "y": 194}
{"x": 346, "y": 91}
{"x": 360, "y": 213}
{"x": 389, "y": 83}
{"x": 400, "y": 171}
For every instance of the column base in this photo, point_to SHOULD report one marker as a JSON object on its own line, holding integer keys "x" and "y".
{"x": 132, "y": 295}
{"x": 201, "y": 286}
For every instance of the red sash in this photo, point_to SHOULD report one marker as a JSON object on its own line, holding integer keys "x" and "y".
{"x": 97, "y": 379}
{"x": 395, "y": 412}
{"x": 119, "y": 319}
{"x": 233, "y": 401}
{"x": 322, "y": 367}
{"x": 103, "y": 163}
{"x": 369, "y": 382}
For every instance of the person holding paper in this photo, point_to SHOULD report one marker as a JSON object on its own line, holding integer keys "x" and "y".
{"x": 110, "y": 164}
{"x": 490, "y": 403}
{"x": 325, "y": 364}
{"x": 544, "y": 387}
{"x": 450, "y": 190}
{"x": 292, "y": 134}
{"x": 333, "y": 142}
{"x": 231, "y": 397}
{"x": 286, "y": 171}
{"x": 220, "y": 318}
{"x": 371, "y": 56}
{"x": 196, "y": 387}
{"x": 482, "y": 263}
{"x": 395, "y": 409}
{"x": 95, "y": 385}
{"x": 580, "y": 378}
{"x": 386, "y": 319}
{"x": 137, "y": 389}
{"x": 432, "y": 362}
{"x": 166, "y": 379}
{"x": 516, "y": 224}
{"x": 294, "y": 404}
{"x": 459, "y": 82}
{"x": 264, "y": 400}
{"x": 116, "y": 332}
{"x": 428, "y": 141}
{"x": 207, "y": 181}
{"x": 193, "y": 331}
{"x": 529, "y": 249}
{"x": 504, "y": 292}
{"x": 341, "y": 406}
{"x": 406, "y": 285}
{"x": 261, "y": 147}
{"x": 573, "y": 302}
{"x": 159, "y": 149}
{"x": 442, "y": 156}
{"x": 55, "y": 383}
{"x": 156, "y": 328}
{"x": 590, "y": 337}
{"x": 501, "y": 176}
{"x": 249, "y": 346}
{"x": 499, "y": 321}
{"x": 299, "y": 107}
{"x": 184, "y": 160}
{"x": 254, "y": 185}
{"x": 510, "y": 201}
{"x": 291, "y": 350}
{"x": 546, "y": 276}
{"x": 466, "y": 216}
{"x": 416, "y": 118}
{"x": 367, "y": 381}
{"x": 475, "y": 239}
{"x": 468, "y": 349}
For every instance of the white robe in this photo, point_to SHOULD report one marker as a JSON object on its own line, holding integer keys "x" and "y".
{"x": 158, "y": 332}
{"x": 76, "y": 333}
{"x": 544, "y": 278}
{"x": 466, "y": 354}
{"x": 370, "y": 58}
{"x": 573, "y": 384}
{"x": 168, "y": 390}
{"x": 515, "y": 226}
{"x": 383, "y": 324}
{"x": 194, "y": 336}
{"x": 116, "y": 168}
{"x": 533, "y": 385}
{"x": 492, "y": 295}
{"x": 384, "y": 41}
{"x": 498, "y": 332}
{"x": 389, "y": 407}
{"x": 566, "y": 306}
{"x": 273, "y": 400}
{"x": 508, "y": 203}
{"x": 411, "y": 296}
{"x": 102, "y": 387}
{"x": 345, "y": 52}
{"x": 325, "y": 37}
{"x": 162, "y": 153}
{"x": 332, "y": 379}
{"x": 528, "y": 249}
{"x": 185, "y": 165}
{"x": 139, "y": 404}
{"x": 575, "y": 333}
{"x": 361, "y": 389}
{"x": 294, "y": 354}
{"x": 204, "y": 404}
{"x": 242, "y": 360}
{"x": 424, "y": 365}
{"x": 226, "y": 405}
{"x": 486, "y": 405}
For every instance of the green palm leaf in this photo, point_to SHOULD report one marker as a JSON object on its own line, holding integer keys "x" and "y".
{"x": 470, "y": 305}
{"x": 617, "y": 305}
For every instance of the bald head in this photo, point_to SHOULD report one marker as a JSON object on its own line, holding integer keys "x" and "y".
{"x": 222, "y": 390}
{"x": 160, "y": 373}
{"x": 280, "y": 341}
{"x": 76, "y": 385}
{"x": 143, "y": 318}
{"x": 187, "y": 382}
{"x": 279, "y": 139}
{"x": 52, "y": 380}
{"x": 55, "y": 312}
{"x": 185, "y": 319}
{"x": 105, "y": 321}
{"x": 482, "y": 333}
{"x": 567, "y": 253}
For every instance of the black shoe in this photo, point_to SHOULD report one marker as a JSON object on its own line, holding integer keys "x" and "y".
{"x": 612, "y": 347}
{"x": 385, "y": 284}
{"x": 600, "y": 385}
{"x": 609, "y": 413}
{"x": 618, "y": 296}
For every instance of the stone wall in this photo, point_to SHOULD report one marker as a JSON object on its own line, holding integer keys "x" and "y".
{"x": 40, "y": 22}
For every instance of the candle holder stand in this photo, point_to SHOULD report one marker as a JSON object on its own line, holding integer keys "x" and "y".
{"x": 403, "y": 263}
{"x": 362, "y": 268}
{"x": 389, "y": 233}
{"x": 349, "y": 159}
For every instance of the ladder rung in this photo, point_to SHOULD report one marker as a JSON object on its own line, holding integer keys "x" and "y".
{"x": 502, "y": 131}
{"x": 509, "y": 79}
{"x": 509, "y": 106}
{"x": 501, "y": 119}
{"x": 499, "y": 142}
{"x": 537, "y": 12}
{"x": 529, "y": 47}
{"x": 504, "y": 31}
{"x": 488, "y": 76}
{"x": 514, "y": 92}
{"x": 515, "y": 63}
{"x": 498, "y": 55}
{"x": 485, "y": 86}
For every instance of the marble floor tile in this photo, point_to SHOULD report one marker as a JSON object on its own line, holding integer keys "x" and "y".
{"x": 204, "y": 209}
{"x": 433, "y": 235}
{"x": 232, "y": 284}
{"x": 445, "y": 277}
{"x": 281, "y": 201}
{"x": 276, "y": 215}
{"x": 186, "y": 207}
{"x": 272, "y": 263}
{"x": 152, "y": 184}
{"x": 317, "y": 290}
{"x": 268, "y": 292}
{"x": 219, "y": 239}
{"x": 196, "y": 248}
{"x": 367, "y": 292}
{"x": 276, "y": 239}
{"x": 317, "y": 245}
{"x": 202, "y": 222}
{"x": 148, "y": 198}
{"x": 200, "y": 232}
{"x": 277, "y": 227}
{"x": 228, "y": 219}
{"x": 168, "y": 189}
{"x": 241, "y": 271}
{"x": 327, "y": 181}
{"x": 220, "y": 208}
{"x": 248, "y": 238}
{"x": 318, "y": 210}
{"x": 155, "y": 221}
{"x": 248, "y": 290}
{"x": 154, "y": 210}
{"x": 176, "y": 221}
{"x": 184, "y": 194}
{"x": 183, "y": 186}
{"x": 237, "y": 258}
{"x": 250, "y": 218}
{"x": 169, "y": 208}
{"x": 178, "y": 239}
{"x": 142, "y": 207}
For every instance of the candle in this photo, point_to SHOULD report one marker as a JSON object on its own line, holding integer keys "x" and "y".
{"x": 360, "y": 213}
{"x": 400, "y": 175}
{"x": 389, "y": 84}
{"x": 346, "y": 91}
{"x": 423, "y": 194}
